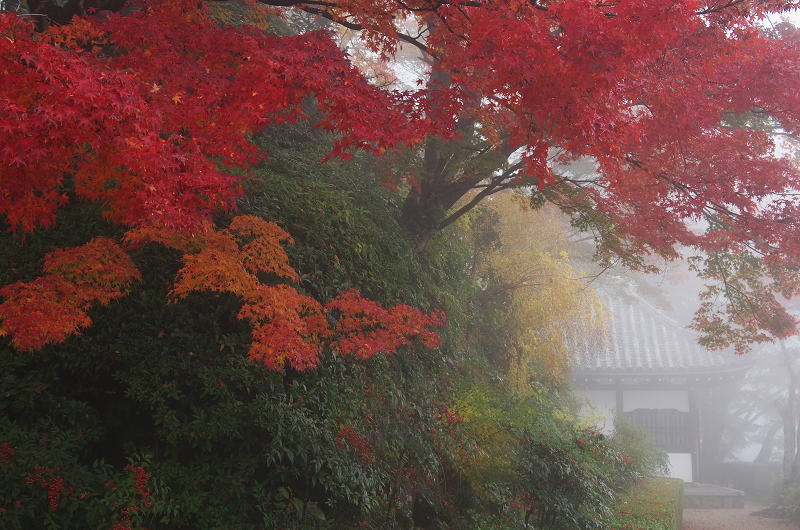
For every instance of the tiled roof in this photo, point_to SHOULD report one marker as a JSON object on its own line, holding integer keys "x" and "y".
{"x": 642, "y": 340}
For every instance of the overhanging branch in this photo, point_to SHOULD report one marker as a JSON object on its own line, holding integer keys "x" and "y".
{"x": 496, "y": 184}
{"x": 353, "y": 26}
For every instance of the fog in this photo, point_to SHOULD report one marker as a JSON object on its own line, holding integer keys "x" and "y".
{"x": 739, "y": 427}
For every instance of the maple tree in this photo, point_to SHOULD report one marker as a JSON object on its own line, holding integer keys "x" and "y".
{"x": 58, "y": 303}
{"x": 747, "y": 301}
{"x": 144, "y": 131}
{"x": 126, "y": 140}
{"x": 674, "y": 108}
{"x": 289, "y": 329}
{"x": 641, "y": 89}
{"x": 148, "y": 134}
{"x": 151, "y": 114}
{"x": 156, "y": 418}
{"x": 639, "y": 120}
{"x": 163, "y": 382}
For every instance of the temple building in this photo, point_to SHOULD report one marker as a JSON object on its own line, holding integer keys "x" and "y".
{"x": 651, "y": 369}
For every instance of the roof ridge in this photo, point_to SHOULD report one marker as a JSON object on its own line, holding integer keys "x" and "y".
{"x": 641, "y": 338}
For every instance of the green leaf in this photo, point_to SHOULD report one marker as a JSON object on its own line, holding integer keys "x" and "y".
{"x": 316, "y": 512}
{"x": 297, "y": 503}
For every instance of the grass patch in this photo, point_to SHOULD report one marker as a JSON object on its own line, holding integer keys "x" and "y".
{"x": 650, "y": 504}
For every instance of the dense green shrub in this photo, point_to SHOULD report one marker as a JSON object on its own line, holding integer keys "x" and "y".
{"x": 570, "y": 475}
{"x": 157, "y": 401}
{"x": 638, "y": 444}
{"x": 167, "y": 388}
{"x": 790, "y": 501}
{"x": 154, "y": 417}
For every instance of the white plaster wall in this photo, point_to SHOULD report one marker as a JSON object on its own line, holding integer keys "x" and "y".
{"x": 602, "y": 404}
{"x": 680, "y": 466}
{"x": 655, "y": 399}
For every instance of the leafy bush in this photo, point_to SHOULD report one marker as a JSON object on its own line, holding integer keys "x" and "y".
{"x": 155, "y": 418}
{"x": 570, "y": 475}
{"x": 166, "y": 390}
{"x": 486, "y": 521}
{"x": 638, "y": 445}
{"x": 790, "y": 501}
{"x": 223, "y": 443}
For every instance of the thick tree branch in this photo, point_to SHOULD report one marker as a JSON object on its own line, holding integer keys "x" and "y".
{"x": 496, "y": 184}
{"x": 358, "y": 27}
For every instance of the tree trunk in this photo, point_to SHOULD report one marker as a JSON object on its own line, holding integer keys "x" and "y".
{"x": 787, "y": 413}
{"x": 765, "y": 452}
{"x": 443, "y": 181}
{"x": 425, "y": 209}
{"x": 794, "y": 473}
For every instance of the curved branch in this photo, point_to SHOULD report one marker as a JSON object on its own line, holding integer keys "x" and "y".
{"x": 718, "y": 8}
{"x": 496, "y": 184}
{"x": 351, "y": 25}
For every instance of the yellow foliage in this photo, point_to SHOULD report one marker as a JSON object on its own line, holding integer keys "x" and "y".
{"x": 487, "y": 425}
{"x": 525, "y": 269}
{"x": 591, "y": 417}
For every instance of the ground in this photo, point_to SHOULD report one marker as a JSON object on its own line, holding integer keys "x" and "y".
{"x": 733, "y": 519}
